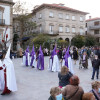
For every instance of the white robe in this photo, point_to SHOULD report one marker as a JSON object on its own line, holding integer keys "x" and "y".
{"x": 55, "y": 65}
{"x": 10, "y": 75}
{"x": 2, "y": 82}
{"x": 70, "y": 65}
{"x": 24, "y": 60}
{"x": 50, "y": 65}
{"x": 34, "y": 61}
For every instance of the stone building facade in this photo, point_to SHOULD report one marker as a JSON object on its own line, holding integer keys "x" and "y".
{"x": 93, "y": 27}
{"x": 59, "y": 21}
{"x": 6, "y": 19}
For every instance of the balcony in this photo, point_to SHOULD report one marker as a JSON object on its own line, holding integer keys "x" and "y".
{"x": 2, "y": 21}
{"x": 94, "y": 27}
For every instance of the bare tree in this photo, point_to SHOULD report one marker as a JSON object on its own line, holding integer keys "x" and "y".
{"x": 23, "y": 17}
{"x": 19, "y": 8}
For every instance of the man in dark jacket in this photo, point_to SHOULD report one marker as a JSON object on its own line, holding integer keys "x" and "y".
{"x": 95, "y": 65}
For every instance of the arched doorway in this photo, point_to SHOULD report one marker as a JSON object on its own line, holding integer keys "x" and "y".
{"x": 67, "y": 39}
{"x": 60, "y": 38}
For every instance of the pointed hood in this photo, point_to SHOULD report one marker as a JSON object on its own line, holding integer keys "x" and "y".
{"x": 40, "y": 50}
{"x": 33, "y": 52}
{"x": 8, "y": 52}
{"x": 27, "y": 50}
{"x": 67, "y": 53}
{"x": 54, "y": 52}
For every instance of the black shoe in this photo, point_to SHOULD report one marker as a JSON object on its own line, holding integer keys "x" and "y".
{"x": 2, "y": 93}
{"x": 33, "y": 67}
{"x": 92, "y": 78}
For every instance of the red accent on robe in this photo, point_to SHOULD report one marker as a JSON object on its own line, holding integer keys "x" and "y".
{"x": 6, "y": 90}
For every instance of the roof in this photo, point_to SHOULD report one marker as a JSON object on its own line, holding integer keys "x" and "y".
{"x": 58, "y": 6}
{"x": 7, "y": 1}
{"x": 92, "y": 19}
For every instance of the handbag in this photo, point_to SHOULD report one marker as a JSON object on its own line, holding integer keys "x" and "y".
{"x": 71, "y": 95}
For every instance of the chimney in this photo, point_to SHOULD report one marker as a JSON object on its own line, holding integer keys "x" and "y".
{"x": 89, "y": 17}
{"x": 60, "y": 4}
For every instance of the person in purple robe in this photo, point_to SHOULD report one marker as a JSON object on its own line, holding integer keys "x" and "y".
{"x": 67, "y": 61}
{"x": 33, "y": 58}
{"x": 40, "y": 60}
{"x": 26, "y": 58}
{"x": 54, "y": 61}
{"x": 66, "y": 57}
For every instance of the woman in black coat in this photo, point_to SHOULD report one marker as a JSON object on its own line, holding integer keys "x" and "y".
{"x": 64, "y": 76}
{"x": 75, "y": 55}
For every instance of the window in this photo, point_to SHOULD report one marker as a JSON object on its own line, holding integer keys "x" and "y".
{"x": 96, "y": 23}
{"x": 51, "y": 29}
{"x": 86, "y": 25}
{"x": 67, "y": 16}
{"x": 0, "y": 37}
{"x": 60, "y": 29}
{"x": 73, "y": 17}
{"x": 81, "y": 31}
{"x": 86, "y": 33}
{"x": 81, "y": 19}
{"x": 40, "y": 29}
{"x": 61, "y": 16}
{"x": 67, "y": 28}
{"x": 51, "y": 14}
{"x": 96, "y": 31}
{"x": 73, "y": 30}
{"x": 40, "y": 15}
{"x": 0, "y": 15}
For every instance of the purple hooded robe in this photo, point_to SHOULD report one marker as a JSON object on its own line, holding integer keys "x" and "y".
{"x": 40, "y": 60}
{"x": 66, "y": 57}
{"x": 32, "y": 56}
{"x": 26, "y": 54}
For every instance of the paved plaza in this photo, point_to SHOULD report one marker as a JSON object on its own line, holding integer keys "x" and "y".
{"x": 34, "y": 84}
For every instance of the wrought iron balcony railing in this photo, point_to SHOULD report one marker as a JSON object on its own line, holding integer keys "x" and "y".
{"x": 94, "y": 27}
{"x": 2, "y": 21}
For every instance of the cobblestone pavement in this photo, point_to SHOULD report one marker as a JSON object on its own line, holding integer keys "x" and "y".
{"x": 34, "y": 84}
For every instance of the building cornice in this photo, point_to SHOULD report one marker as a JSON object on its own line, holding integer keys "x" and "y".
{"x": 93, "y": 19}
{"x": 2, "y": 8}
{"x": 7, "y": 2}
{"x": 56, "y": 6}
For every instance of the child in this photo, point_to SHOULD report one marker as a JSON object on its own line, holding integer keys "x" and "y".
{"x": 55, "y": 93}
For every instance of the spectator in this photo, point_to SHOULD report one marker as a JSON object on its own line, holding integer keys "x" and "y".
{"x": 75, "y": 55}
{"x": 88, "y": 96}
{"x": 55, "y": 93}
{"x": 96, "y": 89}
{"x": 92, "y": 56}
{"x": 60, "y": 54}
{"x": 95, "y": 65}
{"x": 20, "y": 52}
{"x": 85, "y": 60}
{"x": 73, "y": 91}
{"x": 64, "y": 76}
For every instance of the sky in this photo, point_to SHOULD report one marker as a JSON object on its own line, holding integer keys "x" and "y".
{"x": 90, "y": 6}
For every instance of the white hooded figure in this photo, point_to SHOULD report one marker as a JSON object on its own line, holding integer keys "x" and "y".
{"x": 10, "y": 73}
{"x": 54, "y": 61}
{"x": 67, "y": 61}
{"x": 2, "y": 82}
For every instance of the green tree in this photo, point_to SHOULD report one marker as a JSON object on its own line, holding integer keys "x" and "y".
{"x": 42, "y": 40}
{"x": 90, "y": 40}
{"x": 15, "y": 39}
{"x": 78, "y": 41}
{"x": 62, "y": 43}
